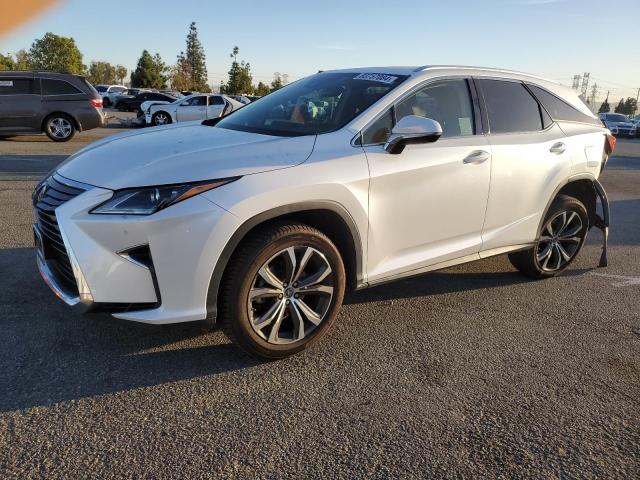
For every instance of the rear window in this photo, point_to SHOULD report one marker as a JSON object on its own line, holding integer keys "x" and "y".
{"x": 510, "y": 107}
{"x": 58, "y": 87}
{"x": 558, "y": 108}
{"x": 101, "y": 88}
{"x": 16, "y": 86}
{"x": 216, "y": 100}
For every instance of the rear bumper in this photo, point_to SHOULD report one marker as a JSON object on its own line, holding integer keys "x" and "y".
{"x": 90, "y": 119}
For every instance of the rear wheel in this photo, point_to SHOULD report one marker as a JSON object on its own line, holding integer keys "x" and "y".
{"x": 282, "y": 291}
{"x": 106, "y": 102}
{"x": 560, "y": 239}
{"x": 161, "y": 118}
{"x": 59, "y": 127}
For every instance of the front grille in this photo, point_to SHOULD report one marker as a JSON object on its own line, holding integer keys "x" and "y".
{"x": 50, "y": 194}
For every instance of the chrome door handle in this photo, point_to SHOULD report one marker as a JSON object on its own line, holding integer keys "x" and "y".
{"x": 477, "y": 157}
{"x": 558, "y": 148}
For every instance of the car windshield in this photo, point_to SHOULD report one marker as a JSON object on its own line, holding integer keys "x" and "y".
{"x": 101, "y": 88}
{"x": 321, "y": 103}
{"x": 617, "y": 117}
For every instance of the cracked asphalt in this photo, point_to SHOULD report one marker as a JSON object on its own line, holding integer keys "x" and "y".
{"x": 473, "y": 371}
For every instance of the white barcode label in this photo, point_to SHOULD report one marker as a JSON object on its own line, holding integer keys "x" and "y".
{"x": 376, "y": 77}
{"x": 6, "y": 83}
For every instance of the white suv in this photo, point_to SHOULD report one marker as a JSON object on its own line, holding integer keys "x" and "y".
{"x": 346, "y": 179}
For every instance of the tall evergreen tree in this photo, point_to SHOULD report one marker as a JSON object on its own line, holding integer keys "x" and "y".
{"x": 150, "y": 72}
{"x": 240, "y": 81}
{"x": 605, "y": 107}
{"x": 620, "y": 106}
{"x": 194, "y": 55}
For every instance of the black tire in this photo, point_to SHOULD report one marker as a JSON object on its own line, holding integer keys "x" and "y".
{"x": 59, "y": 127}
{"x": 555, "y": 248}
{"x": 268, "y": 247}
{"x": 122, "y": 107}
{"x": 158, "y": 116}
{"x": 106, "y": 102}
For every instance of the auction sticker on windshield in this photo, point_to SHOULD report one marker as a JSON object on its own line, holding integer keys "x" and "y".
{"x": 376, "y": 77}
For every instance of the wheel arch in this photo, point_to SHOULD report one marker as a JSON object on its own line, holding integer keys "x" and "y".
{"x": 578, "y": 186}
{"x": 76, "y": 123}
{"x": 329, "y": 217}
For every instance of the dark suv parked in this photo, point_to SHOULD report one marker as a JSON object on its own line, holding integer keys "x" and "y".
{"x": 53, "y": 103}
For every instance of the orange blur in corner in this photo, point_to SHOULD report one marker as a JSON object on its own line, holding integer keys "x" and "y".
{"x": 15, "y": 13}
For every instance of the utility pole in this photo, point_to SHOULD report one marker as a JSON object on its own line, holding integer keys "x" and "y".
{"x": 637, "y": 98}
{"x": 576, "y": 82}
{"x": 585, "y": 83}
{"x": 594, "y": 92}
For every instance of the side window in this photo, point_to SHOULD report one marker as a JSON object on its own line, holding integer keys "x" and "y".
{"x": 446, "y": 101}
{"x": 379, "y": 131}
{"x": 510, "y": 107}
{"x": 216, "y": 100}
{"x": 559, "y": 109}
{"x": 16, "y": 86}
{"x": 58, "y": 87}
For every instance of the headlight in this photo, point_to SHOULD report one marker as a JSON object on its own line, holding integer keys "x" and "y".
{"x": 148, "y": 200}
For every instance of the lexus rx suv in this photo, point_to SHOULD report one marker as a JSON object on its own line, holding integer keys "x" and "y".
{"x": 56, "y": 104}
{"x": 261, "y": 220}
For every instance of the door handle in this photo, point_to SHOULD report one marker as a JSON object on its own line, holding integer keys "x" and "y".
{"x": 558, "y": 148}
{"x": 477, "y": 157}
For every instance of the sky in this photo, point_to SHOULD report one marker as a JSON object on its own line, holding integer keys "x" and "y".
{"x": 556, "y": 39}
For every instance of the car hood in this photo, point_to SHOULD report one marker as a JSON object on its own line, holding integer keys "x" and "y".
{"x": 622, "y": 124}
{"x": 181, "y": 153}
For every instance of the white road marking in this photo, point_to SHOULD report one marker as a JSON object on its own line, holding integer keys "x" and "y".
{"x": 625, "y": 281}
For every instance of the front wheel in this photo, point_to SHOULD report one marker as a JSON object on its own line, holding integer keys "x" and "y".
{"x": 561, "y": 237}
{"x": 160, "y": 118}
{"x": 282, "y": 291}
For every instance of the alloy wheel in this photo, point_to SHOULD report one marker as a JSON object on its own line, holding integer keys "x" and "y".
{"x": 60, "y": 127}
{"x": 290, "y": 295}
{"x": 559, "y": 241}
{"x": 161, "y": 119}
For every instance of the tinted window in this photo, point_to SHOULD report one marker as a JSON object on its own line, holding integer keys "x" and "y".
{"x": 15, "y": 86}
{"x": 101, "y": 88}
{"x": 216, "y": 100}
{"x": 510, "y": 107}
{"x": 559, "y": 109}
{"x": 378, "y": 131}
{"x": 57, "y": 87}
{"x": 446, "y": 101}
{"x": 616, "y": 117}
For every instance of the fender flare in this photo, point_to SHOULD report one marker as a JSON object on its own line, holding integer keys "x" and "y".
{"x": 239, "y": 234}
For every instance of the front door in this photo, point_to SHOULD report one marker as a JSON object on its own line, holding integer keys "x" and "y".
{"x": 427, "y": 204}
{"x": 194, "y": 108}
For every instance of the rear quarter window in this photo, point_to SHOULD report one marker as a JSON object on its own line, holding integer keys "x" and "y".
{"x": 559, "y": 109}
{"x": 58, "y": 87}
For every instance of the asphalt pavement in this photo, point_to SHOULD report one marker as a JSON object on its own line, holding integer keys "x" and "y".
{"x": 473, "y": 371}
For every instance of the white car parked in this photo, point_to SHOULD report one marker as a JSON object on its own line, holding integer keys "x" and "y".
{"x": 107, "y": 91}
{"x": 199, "y": 106}
{"x": 346, "y": 179}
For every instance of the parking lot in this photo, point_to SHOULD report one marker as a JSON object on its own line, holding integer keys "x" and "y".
{"x": 473, "y": 371}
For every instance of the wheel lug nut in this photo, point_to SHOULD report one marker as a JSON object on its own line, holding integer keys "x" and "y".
{"x": 280, "y": 296}
{"x": 296, "y": 296}
{"x": 288, "y": 302}
{"x": 295, "y": 284}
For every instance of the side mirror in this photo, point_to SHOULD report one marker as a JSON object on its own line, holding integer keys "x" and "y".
{"x": 412, "y": 129}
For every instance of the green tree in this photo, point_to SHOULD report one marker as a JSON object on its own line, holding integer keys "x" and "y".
{"x": 605, "y": 107}
{"x": 55, "y": 53}
{"x": 101, "y": 72}
{"x": 150, "y": 72}
{"x": 261, "y": 90}
{"x": 180, "y": 74}
{"x": 7, "y": 62}
{"x": 620, "y": 107}
{"x": 23, "y": 62}
{"x": 277, "y": 81}
{"x": 194, "y": 55}
{"x": 121, "y": 73}
{"x": 630, "y": 105}
{"x": 240, "y": 80}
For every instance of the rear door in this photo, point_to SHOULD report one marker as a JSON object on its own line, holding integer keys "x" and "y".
{"x": 215, "y": 107}
{"x": 194, "y": 108}
{"x": 529, "y": 160}
{"x": 19, "y": 103}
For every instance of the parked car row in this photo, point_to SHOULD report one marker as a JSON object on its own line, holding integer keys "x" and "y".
{"x": 193, "y": 107}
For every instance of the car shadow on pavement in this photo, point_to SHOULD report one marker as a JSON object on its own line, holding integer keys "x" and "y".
{"x": 51, "y": 353}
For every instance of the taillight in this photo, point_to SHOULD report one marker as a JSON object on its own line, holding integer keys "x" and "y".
{"x": 96, "y": 102}
{"x": 611, "y": 144}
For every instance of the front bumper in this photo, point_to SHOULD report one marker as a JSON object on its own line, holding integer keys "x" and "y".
{"x": 184, "y": 242}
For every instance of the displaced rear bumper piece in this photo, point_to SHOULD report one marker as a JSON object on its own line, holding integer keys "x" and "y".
{"x": 602, "y": 222}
